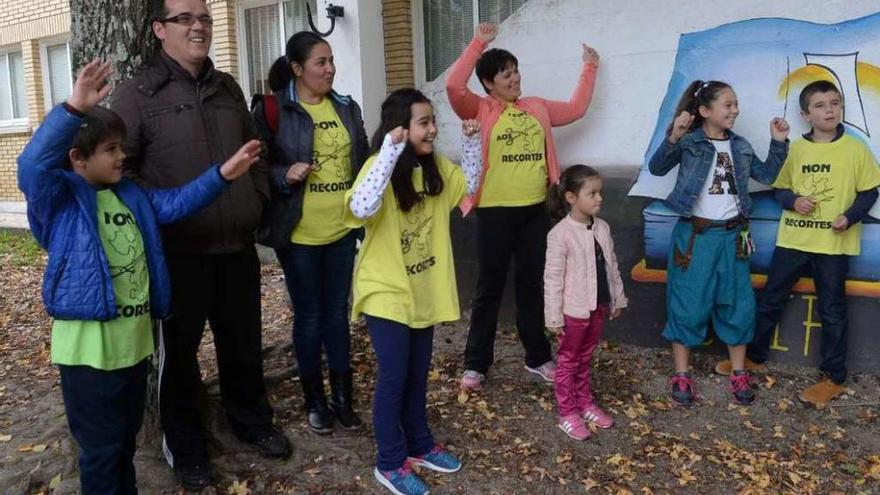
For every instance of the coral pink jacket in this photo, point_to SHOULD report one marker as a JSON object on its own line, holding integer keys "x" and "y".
{"x": 570, "y": 285}
{"x": 487, "y": 109}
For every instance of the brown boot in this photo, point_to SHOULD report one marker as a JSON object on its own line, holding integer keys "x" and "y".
{"x": 821, "y": 393}
{"x": 725, "y": 368}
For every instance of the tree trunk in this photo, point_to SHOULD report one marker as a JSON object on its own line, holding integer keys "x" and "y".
{"x": 117, "y": 30}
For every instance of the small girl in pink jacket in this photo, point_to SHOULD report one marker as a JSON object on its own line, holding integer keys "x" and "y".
{"x": 582, "y": 286}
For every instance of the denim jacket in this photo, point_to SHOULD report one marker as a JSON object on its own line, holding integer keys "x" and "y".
{"x": 695, "y": 153}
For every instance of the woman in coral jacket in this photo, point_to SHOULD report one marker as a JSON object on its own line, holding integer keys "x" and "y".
{"x": 519, "y": 163}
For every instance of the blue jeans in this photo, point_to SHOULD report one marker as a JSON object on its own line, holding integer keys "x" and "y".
{"x": 829, "y": 274}
{"x": 105, "y": 410}
{"x": 319, "y": 280}
{"x": 400, "y": 420}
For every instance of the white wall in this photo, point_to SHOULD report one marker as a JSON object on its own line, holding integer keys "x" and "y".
{"x": 358, "y": 48}
{"x": 637, "y": 41}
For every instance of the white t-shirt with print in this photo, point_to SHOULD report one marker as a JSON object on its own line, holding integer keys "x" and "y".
{"x": 718, "y": 198}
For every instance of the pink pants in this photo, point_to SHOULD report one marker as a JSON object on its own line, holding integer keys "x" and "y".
{"x": 573, "y": 360}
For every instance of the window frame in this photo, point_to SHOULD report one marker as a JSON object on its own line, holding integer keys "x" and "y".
{"x": 417, "y": 21}
{"x": 240, "y": 32}
{"x": 420, "y": 71}
{"x": 44, "y": 66}
{"x": 15, "y": 124}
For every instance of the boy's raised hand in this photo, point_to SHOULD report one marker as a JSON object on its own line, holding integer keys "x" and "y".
{"x": 590, "y": 56}
{"x": 90, "y": 86}
{"x": 242, "y": 160}
{"x": 779, "y": 129}
{"x": 398, "y": 135}
{"x": 486, "y": 31}
{"x": 470, "y": 127}
{"x": 680, "y": 126}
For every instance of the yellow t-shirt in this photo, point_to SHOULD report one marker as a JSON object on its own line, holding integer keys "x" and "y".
{"x": 321, "y": 221}
{"x": 128, "y": 339}
{"x": 517, "y": 174}
{"x": 830, "y": 173}
{"x": 405, "y": 271}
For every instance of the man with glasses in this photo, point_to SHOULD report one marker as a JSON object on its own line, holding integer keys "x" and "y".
{"x": 183, "y": 115}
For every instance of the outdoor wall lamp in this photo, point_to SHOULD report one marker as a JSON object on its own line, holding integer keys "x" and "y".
{"x": 333, "y": 11}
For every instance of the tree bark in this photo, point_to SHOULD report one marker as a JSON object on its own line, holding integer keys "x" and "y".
{"x": 117, "y": 30}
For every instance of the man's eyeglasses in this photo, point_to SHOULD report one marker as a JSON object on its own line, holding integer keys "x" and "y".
{"x": 188, "y": 19}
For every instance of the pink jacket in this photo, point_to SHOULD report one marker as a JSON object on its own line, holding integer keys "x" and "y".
{"x": 570, "y": 286}
{"x": 487, "y": 109}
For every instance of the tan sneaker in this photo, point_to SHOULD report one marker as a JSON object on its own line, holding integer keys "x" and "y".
{"x": 725, "y": 368}
{"x": 821, "y": 393}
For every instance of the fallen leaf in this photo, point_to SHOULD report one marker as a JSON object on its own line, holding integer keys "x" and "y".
{"x": 769, "y": 381}
{"x": 39, "y": 448}
{"x": 239, "y": 488}
{"x": 5, "y": 438}
{"x": 462, "y": 397}
{"x": 56, "y": 481}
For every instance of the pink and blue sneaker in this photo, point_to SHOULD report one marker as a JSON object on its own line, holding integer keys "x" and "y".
{"x": 438, "y": 459}
{"x": 402, "y": 481}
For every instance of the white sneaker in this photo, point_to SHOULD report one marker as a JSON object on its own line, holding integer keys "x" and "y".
{"x": 547, "y": 371}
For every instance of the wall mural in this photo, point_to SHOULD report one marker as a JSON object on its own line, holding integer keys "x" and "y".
{"x": 768, "y": 62}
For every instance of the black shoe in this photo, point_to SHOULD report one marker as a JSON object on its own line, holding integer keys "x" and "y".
{"x": 194, "y": 478}
{"x": 741, "y": 388}
{"x": 341, "y": 400}
{"x": 273, "y": 444}
{"x": 319, "y": 415}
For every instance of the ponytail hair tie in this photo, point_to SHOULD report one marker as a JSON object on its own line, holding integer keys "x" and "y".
{"x": 701, "y": 88}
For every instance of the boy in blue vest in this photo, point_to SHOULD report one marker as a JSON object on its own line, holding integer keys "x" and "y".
{"x": 106, "y": 279}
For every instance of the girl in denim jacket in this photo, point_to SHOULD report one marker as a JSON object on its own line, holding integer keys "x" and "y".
{"x": 708, "y": 269}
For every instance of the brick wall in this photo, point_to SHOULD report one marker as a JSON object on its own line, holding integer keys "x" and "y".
{"x": 397, "y": 25}
{"x": 10, "y": 147}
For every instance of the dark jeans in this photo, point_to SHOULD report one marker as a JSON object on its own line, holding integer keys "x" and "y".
{"x": 319, "y": 280}
{"x": 502, "y": 233}
{"x": 225, "y": 289}
{"x": 105, "y": 410}
{"x": 400, "y": 420}
{"x": 829, "y": 274}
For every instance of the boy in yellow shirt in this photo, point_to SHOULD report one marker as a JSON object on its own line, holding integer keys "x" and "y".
{"x": 826, "y": 187}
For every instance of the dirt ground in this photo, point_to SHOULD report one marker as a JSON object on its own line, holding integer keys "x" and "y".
{"x": 506, "y": 435}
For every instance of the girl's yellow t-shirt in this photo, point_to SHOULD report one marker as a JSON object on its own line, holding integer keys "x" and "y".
{"x": 405, "y": 270}
{"x": 326, "y": 185}
{"x": 517, "y": 172}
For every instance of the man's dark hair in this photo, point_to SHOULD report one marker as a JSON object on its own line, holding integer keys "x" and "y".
{"x": 493, "y": 62}
{"x": 158, "y": 10}
{"x": 813, "y": 88}
{"x": 98, "y": 125}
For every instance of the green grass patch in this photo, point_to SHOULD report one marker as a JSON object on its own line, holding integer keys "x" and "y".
{"x": 20, "y": 248}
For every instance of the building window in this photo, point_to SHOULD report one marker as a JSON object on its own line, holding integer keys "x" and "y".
{"x": 265, "y": 28}
{"x": 13, "y": 106}
{"x": 57, "y": 75}
{"x": 448, "y": 26}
